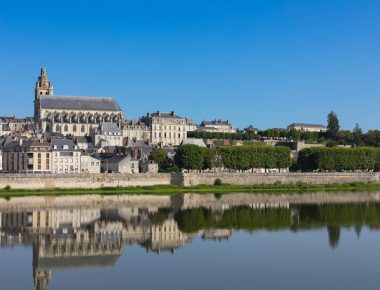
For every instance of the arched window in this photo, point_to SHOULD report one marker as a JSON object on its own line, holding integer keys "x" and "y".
{"x": 58, "y": 128}
{"x": 66, "y": 128}
{"x": 82, "y": 129}
{"x": 74, "y": 128}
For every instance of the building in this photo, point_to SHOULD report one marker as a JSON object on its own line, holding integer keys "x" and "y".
{"x": 108, "y": 134}
{"x": 168, "y": 129}
{"x": 71, "y": 115}
{"x": 193, "y": 141}
{"x": 135, "y": 130}
{"x": 13, "y": 125}
{"x": 219, "y": 126}
{"x": 120, "y": 164}
{"x": 27, "y": 156}
{"x": 148, "y": 166}
{"x": 66, "y": 156}
{"x": 307, "y": 127}
{"x": 89, "y": 164}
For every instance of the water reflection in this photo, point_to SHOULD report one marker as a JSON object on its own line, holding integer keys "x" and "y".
{"x": 94, "y": 235}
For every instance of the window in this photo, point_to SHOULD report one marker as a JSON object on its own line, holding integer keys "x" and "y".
{"x": 82, "y": 129}
{"x": 74, "y": 128}
{"x": 66, "y": 128}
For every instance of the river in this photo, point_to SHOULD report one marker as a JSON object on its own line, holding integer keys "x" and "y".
{"x": 236, "y": 241}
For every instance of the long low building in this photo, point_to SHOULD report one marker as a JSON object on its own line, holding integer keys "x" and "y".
{"x": 307, "y": 127}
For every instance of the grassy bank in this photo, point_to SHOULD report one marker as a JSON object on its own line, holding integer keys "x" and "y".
{"x": 173, "y": 190}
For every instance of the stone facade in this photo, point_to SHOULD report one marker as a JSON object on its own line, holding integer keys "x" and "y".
{"x": 168, "y": 129}
{"x": 109, "y": 134}
{"x": 71, "y": 115}
{"x": 27, "y": 156}
{"x": 219, "y": 126}
{"x": 307, "y": 127}
{"x": 135, "y": 130}
{"x": 89, "y": 164}
{"x": 66, "y": 156}
{"x": 120, "y": 164}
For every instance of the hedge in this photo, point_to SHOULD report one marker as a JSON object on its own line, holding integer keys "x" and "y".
{"x": 339, "y": 159}
{"x": 247, "y": 157}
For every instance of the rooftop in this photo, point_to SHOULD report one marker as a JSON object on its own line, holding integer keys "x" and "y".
{"x": 307, "y": 125}
{"x": 79, "y": 103}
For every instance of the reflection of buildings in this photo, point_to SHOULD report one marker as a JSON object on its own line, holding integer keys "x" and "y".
{"x": 217, "y": 234}
{"x": 84, "y": 238}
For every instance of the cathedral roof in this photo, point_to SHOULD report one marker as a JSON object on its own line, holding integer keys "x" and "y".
{"x": 79, "y": 103}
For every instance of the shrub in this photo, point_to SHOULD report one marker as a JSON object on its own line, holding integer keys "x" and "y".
{"x": 218, "y": 181}
{"x": 247, "y": 157}
{"x": 7, "y": 187}
{"x": 339, "y": 159}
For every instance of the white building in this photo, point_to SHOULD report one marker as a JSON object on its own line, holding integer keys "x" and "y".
{"x": 89, "y": 164}
{"x": 66, "y": 156}
{"x": 168, "y": 129}
{"x": 109, "y": 134}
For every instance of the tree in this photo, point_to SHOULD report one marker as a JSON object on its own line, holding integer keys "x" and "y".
{"x": 158, "y": 155}
{"x": 357, "y": 132}
{"x": 189, "y": 156}
{"x": 332, "y": 125}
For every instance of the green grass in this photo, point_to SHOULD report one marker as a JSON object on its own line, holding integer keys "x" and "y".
{"x": 276, "y": 188}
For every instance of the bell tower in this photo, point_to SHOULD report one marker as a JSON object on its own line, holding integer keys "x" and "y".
{"x": 43, "y": 87}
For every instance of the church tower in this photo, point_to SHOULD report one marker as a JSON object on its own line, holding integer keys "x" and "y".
{"x": 43, "y": 87}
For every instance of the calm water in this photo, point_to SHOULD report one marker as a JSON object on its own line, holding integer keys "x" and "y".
{"x": 249, "y": 246}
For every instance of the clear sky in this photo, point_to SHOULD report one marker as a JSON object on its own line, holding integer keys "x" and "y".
{"x": 262, "y": 62}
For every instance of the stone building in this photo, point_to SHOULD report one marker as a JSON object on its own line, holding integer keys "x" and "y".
{"x": 13, "y": 125}
{"x": 168, "y": 129}
{"x": 135, "y": 130}
{"x": 307, "y": 127}
{"x": 89, "y": 164}
{"x": 27, "y": 156}
{"x": 66, "y": 156}
{"x": 120, "y": 164}
{"x": 219, "y": 126}
{"x": 72, "y": 115}
{"x": 108, "y": 134}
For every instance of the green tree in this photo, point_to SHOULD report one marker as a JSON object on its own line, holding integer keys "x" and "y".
{"x": 189, "y": 156}
{"x": 158, "y": 155}
{"x": 357, "y": 132}
{"x": 332, "y": 125}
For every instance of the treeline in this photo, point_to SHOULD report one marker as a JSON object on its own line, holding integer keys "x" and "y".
{"x": 232, "y": 157}
{"x": 339, "y": 159}
{"x": 343, "y": 137}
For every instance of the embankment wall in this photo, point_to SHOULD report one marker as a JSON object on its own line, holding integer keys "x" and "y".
{"x": 88, "y": 181}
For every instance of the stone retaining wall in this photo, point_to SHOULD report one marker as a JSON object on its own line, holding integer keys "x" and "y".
{"x": 49, "y": 181}
{"x": 190, "y": 179}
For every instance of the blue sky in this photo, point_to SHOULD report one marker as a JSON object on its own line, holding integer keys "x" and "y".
{"x": 262, "y": 62}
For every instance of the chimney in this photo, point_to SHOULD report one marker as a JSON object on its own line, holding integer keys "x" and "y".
{"x": 158, "y": 113}
{"x": 173, "y": 113}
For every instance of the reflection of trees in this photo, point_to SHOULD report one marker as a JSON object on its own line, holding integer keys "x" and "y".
{"x": 334, "y": 235}
{"x": 299, "y": 217}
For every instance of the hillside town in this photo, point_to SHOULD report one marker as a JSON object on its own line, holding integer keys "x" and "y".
{"x": 81, "y": 134}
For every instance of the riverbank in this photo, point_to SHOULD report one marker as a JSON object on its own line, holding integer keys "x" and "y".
{"x": 277, "y": 188}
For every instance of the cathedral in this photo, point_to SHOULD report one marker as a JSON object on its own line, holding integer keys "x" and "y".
{"x": 71, "y": 115}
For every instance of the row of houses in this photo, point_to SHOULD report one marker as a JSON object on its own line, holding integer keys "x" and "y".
{"x": 62, "y": 155}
